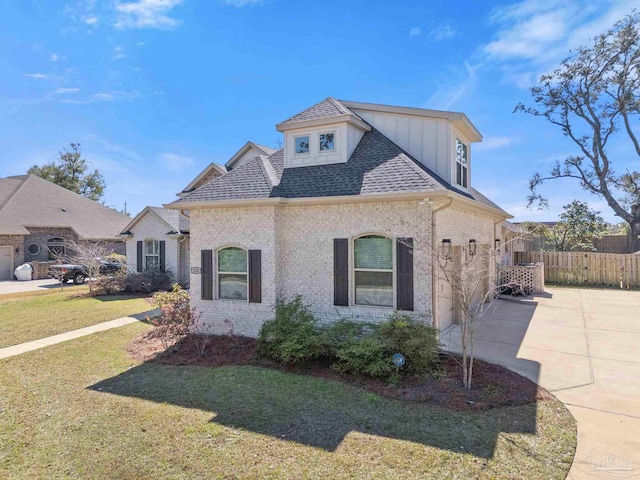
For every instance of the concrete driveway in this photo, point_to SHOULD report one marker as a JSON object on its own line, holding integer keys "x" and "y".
{"x": 583, "y": 345}
{"x": 13, "y": 286}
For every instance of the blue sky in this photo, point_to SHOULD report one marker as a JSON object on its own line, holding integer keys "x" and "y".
{"x": 154, "y": 90}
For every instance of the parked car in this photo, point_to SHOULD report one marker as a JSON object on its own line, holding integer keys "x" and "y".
{"x": 79, "y": 274}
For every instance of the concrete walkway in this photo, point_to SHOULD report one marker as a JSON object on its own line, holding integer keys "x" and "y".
{"x": 582, "y": 345}
{"x": 81, "y": 332}
{"x": 14, "y": 286}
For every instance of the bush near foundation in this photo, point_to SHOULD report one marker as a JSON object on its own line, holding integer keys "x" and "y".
{"x": 295, "y": 336}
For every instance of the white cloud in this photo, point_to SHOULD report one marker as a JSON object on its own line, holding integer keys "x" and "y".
{"x": 415, "y": 31}
{"x": 533, "y": 36}
{"x": 174, "y": 162}
{"x": 37, "y": 76}
{"x": 65, "y": 91}
{"x": 140, "y": 44}
{"x": 442, "y": 32}
{"x": 448, "y": 94}
{"x": 494, "y": 143}
{"x": 55, "y": 57}
{"x": 146, "y": 14}
{"x": 241, "y": 3}
{"x": 118, "y": 53}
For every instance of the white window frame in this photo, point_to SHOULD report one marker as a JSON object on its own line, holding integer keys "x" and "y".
{"x": 302, "y": 154}
{"x": 220, "y": 272}
{"x": 335, "y": 138}
{"x": 354, "y": 270}
{"x": 463, "y": 175}
{"x": 147, "y": 255}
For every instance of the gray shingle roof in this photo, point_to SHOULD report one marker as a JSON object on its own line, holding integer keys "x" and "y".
{"x": 38, "y": 203}
{"x": 329, "y": 107}
{"x": 377, "y": 165}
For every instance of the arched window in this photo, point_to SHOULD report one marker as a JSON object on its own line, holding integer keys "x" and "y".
{"x": 151, "y": 254}
{"x": 56, "y": 248}
{"x": 373, "y": 270}
{"x": 232, "y": 273}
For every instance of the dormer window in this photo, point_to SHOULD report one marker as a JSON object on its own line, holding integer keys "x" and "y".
{"x": 462, "y": 163}
{"x": 326, "y": 142}
{"x": 302, "y": 145}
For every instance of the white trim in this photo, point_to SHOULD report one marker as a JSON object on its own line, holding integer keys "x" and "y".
{"x": 208, "y": 169}
{"x": 384, "y": 197}
{"x": 145, "y": 255}
{"x": 318, "y": 122}
{"x": 460, "y": 120}
{"x": 457, "y": 137}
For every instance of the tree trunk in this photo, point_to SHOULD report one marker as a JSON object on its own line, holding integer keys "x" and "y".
{"x": 634, "y": 228}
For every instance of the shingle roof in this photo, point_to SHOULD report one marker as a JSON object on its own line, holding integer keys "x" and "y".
{"x": 329, "y": 107}
{"x": 377, "y": 165}
{"x": 38, "y": 203}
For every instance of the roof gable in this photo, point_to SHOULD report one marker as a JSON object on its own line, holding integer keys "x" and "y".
{"x": 39, "y": 203}
{"x": 170, "y": 218}
{"x": 328, "y": 110}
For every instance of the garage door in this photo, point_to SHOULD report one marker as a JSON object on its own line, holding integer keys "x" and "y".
{"x": 6, "y": 263}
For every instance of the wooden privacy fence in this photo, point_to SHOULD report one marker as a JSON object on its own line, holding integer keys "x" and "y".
{"x": 587, "y": 268}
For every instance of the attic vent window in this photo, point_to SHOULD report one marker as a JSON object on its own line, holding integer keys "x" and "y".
{"x": 302, "y": 144}
{"x": 327, "y": 142}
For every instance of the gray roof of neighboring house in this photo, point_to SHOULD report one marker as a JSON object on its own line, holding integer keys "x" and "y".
{"x": 30, "y": 201}
{"x": 376, "y": 166}
{"x": 329, "y": 107}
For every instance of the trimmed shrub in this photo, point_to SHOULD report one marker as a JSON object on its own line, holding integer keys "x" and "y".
{"x": 416, "y": 340}
{"x": 133, "y": 282}
{"x": 176, "y": 316}
{"x": 293, "y": 335}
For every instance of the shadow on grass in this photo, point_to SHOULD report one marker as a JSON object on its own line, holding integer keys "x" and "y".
{"x": 314, "y": 411}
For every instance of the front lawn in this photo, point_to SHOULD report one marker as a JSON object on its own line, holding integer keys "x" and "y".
{"x": 84, "y": 409}
{"x": 33, "y": 315}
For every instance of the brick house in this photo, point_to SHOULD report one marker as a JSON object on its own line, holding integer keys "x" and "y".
{"x": 347, "y": 215}
{"x": 39, "y": 218}
{"x": 158, "y": 238}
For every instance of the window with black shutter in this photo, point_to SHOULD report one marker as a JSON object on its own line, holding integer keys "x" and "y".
{"x": 404, "y": 266}
{"x": 255, "y": 276}
{"x": 206, "y": 274}
{"x": 341, "y": 271}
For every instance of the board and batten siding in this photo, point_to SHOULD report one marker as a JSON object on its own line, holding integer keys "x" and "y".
{"x": 428, "y": 140}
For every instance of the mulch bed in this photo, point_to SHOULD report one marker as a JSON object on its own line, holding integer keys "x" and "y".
{"x": 492, "y": 385}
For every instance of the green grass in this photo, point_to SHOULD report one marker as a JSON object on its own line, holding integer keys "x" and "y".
{"x": 84, "y": 409}
{"x": 33, "y": 315}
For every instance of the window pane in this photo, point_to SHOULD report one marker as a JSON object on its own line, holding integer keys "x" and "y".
{"x": 152, "y": 247}
{"x": 326, "y": 141}
{"x": 232, "y": 260}
{"x": 458, "y": 174}
{"x": 152, "y": 262}
{"x": 374, "y": 288}
{"x": 464, "y": 177}
{"x": 461, "y": 152}
{"x": 232, "y": 287}
{"x": 374, "y": 252}
{"x": 302, "y": 144}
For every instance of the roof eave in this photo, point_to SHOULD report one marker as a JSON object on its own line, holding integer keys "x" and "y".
{"x": 460, "y": 120}
{"x": 316, "y": 122}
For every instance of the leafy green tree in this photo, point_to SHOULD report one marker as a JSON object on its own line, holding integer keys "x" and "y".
{"x": 70, "y": 172}
{"x": 577, "y": 228}
{"x": 594, "y": 97}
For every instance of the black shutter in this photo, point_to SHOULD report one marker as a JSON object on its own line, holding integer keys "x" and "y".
{"x": 255, "y": 276}
{"x": 341, "y": 271}
{"x": 139, "y": 256}
{"x": 206, "y": 274}
{"x": 404, "y": 265}
{"x": 162, "y": 255}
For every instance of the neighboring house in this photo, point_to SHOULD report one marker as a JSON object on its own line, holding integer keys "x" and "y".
{"x": 39, "y": 218}
{"x": 158, "y": 238}
{"x": 344, "y": 215}
{"x": 513, "y": 238}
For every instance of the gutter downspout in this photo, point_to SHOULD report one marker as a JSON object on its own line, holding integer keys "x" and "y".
{"x": 435, "y": 321}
